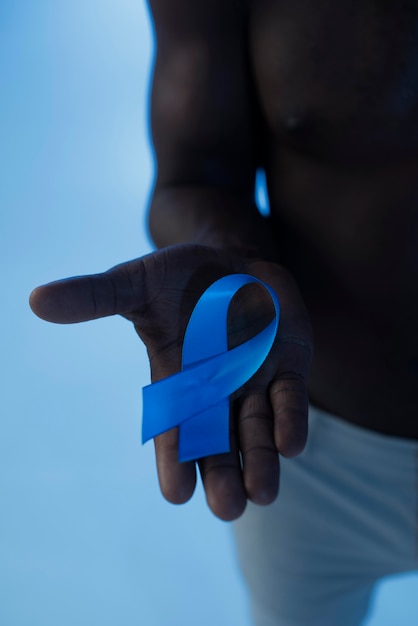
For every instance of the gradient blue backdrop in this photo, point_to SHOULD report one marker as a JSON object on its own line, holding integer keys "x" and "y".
{"x": 85, "y": 537}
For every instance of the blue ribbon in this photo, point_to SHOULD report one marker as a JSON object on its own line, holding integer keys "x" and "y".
{"x": 197, "y": 398}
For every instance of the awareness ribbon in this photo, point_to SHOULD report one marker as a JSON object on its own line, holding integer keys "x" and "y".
{"x": 197, "y": 398}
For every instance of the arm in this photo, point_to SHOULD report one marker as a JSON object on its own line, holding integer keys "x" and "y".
{"x": 204, "y": 218}
{"x": 203, "y": 130}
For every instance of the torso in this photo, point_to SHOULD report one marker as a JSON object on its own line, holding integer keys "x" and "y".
{"x": 338, "y": 94}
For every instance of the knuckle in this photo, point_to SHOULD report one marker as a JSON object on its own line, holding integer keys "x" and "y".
{"x": 290, "y": 381}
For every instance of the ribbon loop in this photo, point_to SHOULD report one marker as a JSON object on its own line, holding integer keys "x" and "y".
{"x": 197, "y": 398}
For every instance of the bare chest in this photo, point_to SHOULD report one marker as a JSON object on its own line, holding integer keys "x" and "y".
{"x": 337, "y": 84}
{"x": 338, "y": 79}
{"x": 337, "y": 88}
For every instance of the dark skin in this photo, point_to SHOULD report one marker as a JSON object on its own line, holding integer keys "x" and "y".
{"x": 324, "y": 96}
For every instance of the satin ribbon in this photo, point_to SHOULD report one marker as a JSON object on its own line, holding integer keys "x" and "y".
{"x": 197, "y": 398}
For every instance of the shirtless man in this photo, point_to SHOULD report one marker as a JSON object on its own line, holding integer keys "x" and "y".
{"x": 324, "y": 97}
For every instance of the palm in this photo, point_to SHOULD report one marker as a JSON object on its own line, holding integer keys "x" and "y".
{"x": 175, "y": 278}
{"x": 157, "y": 293}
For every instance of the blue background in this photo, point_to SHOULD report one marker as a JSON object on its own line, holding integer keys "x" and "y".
{"x": 85, "y": 536}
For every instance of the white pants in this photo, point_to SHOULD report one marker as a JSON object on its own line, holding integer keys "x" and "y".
{"x": 346, "y": 516}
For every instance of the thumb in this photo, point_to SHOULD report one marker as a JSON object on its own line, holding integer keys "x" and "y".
{"x": 84, "y": 298}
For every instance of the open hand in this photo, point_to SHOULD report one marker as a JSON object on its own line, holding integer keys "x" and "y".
{"x": 268, "y": 415}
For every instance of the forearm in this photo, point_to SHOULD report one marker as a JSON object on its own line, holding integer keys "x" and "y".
{"x": 210, "y": 216}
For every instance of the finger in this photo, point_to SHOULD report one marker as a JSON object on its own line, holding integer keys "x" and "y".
{"x": 85, "y": 298}
{"x": 223, "y": 483}
{"x": 177, "y": 480}
{"x": 289, "y": 400}
{"x": 258, "y": 450}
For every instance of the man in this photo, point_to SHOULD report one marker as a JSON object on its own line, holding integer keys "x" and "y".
{"x": 324, "y": 97}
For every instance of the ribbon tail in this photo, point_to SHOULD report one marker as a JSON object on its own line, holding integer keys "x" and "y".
{"x": 206, "y": 433}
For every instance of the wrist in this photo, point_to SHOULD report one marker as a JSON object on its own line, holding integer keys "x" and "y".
{"x": 212, "y": 217}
